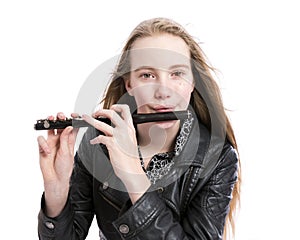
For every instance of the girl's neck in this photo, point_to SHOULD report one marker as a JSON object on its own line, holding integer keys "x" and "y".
{"x": 153, "y": 139}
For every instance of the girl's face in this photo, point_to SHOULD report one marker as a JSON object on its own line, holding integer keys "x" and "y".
{"x": 161, "y": 77}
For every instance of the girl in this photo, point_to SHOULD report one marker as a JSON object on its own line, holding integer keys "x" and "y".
{"x": 160, "y": 180}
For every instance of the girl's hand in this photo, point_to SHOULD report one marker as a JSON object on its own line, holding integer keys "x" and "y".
{"x": 56, "y": 154}
{"x": 121, "y": 143}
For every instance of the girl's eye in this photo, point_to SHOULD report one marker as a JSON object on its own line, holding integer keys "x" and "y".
{"x": 147, "y": 75}
{"x": 177, "y": 74}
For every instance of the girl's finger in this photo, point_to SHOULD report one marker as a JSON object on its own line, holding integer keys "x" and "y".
{"x": 111, "y": 115}
{"x": 72, "y": 139}
{"x": 50, "y": 118}
{"x": 75, "y": 115}
{"x": 124, "y": 110}
{"x": 107, "y": 141}
{"x": 43, "y": 146}
{"x": 60, "y": 116}
{"x": 101, "y": 126}
{"x": 64, "y": 139}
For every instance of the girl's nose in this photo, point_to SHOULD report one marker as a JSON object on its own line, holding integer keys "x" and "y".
{"x": 163, "y": 90}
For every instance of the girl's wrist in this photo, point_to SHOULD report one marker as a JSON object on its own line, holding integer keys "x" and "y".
{"x": 56, "y": 193}
{"x": 55, "y": 202}
{"x": 137, "y": 188}
{"x": 137, "y": 183}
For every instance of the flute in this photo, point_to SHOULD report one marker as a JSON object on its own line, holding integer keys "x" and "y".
{"x": 46, "y": 124}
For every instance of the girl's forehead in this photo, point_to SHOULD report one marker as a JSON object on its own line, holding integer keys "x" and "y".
{"x": 163, "y": 41}
{"x": 157, "y": 58}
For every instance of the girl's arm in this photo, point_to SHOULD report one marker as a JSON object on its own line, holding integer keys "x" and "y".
{"x": 204, "y": 218}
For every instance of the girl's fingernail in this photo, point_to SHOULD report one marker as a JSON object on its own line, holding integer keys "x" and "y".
{"x": 48, "y": 151}
{"x": 93, "y": 141}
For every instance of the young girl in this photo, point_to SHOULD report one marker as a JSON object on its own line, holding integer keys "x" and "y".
{"x": 176, "y": 179}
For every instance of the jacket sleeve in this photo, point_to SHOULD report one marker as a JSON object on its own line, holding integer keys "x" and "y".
{"x": 78, "y": 209}
{"x": 204, "y": 218}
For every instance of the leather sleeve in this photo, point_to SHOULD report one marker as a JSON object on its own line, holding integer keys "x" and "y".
{"x": 151, "y": 218}
{"x": 207, "y": 211}
{"x": 75, "y": 219}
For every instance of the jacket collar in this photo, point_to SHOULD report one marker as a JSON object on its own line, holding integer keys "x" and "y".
{"x": 202, "y": 150}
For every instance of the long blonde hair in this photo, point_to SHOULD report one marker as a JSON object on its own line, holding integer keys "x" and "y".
{"x": 203, "y": 80}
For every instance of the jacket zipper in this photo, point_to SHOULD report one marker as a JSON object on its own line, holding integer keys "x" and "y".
{"x": 185, "y": 197}
{"x": 111, "y": 203}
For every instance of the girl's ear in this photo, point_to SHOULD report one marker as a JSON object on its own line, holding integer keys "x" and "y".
{"x": 193, "y": 87}
{"x": 128, "y": 86}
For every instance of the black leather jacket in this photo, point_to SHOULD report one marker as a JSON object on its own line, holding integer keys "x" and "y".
{"x": 191, "y": 202}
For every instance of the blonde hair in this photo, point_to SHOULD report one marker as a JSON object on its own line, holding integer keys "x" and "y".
{"x": 203, "y": 80}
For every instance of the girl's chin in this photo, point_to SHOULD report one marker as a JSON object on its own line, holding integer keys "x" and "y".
{"x": 166, "y": 124}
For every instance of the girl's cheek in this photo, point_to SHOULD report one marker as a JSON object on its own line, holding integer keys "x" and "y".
{"x": 184, "y": 97}
{"x": 143, "y": 98}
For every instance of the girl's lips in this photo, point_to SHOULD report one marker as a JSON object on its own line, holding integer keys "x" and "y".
{"x": 163, "y": 108}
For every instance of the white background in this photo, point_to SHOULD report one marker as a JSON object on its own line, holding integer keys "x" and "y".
{"x": 49, "y": 48}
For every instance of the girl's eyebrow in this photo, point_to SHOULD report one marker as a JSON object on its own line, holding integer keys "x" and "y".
{"x": 180, "y": 66}
{"x": 143, "y": 67}
{"x": 171, "y": 67}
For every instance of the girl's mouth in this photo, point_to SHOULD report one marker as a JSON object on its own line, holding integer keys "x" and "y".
{"x": 163, "y": 108}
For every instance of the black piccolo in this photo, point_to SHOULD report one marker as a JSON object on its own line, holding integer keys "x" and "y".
{"x": 46, "y": 124}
